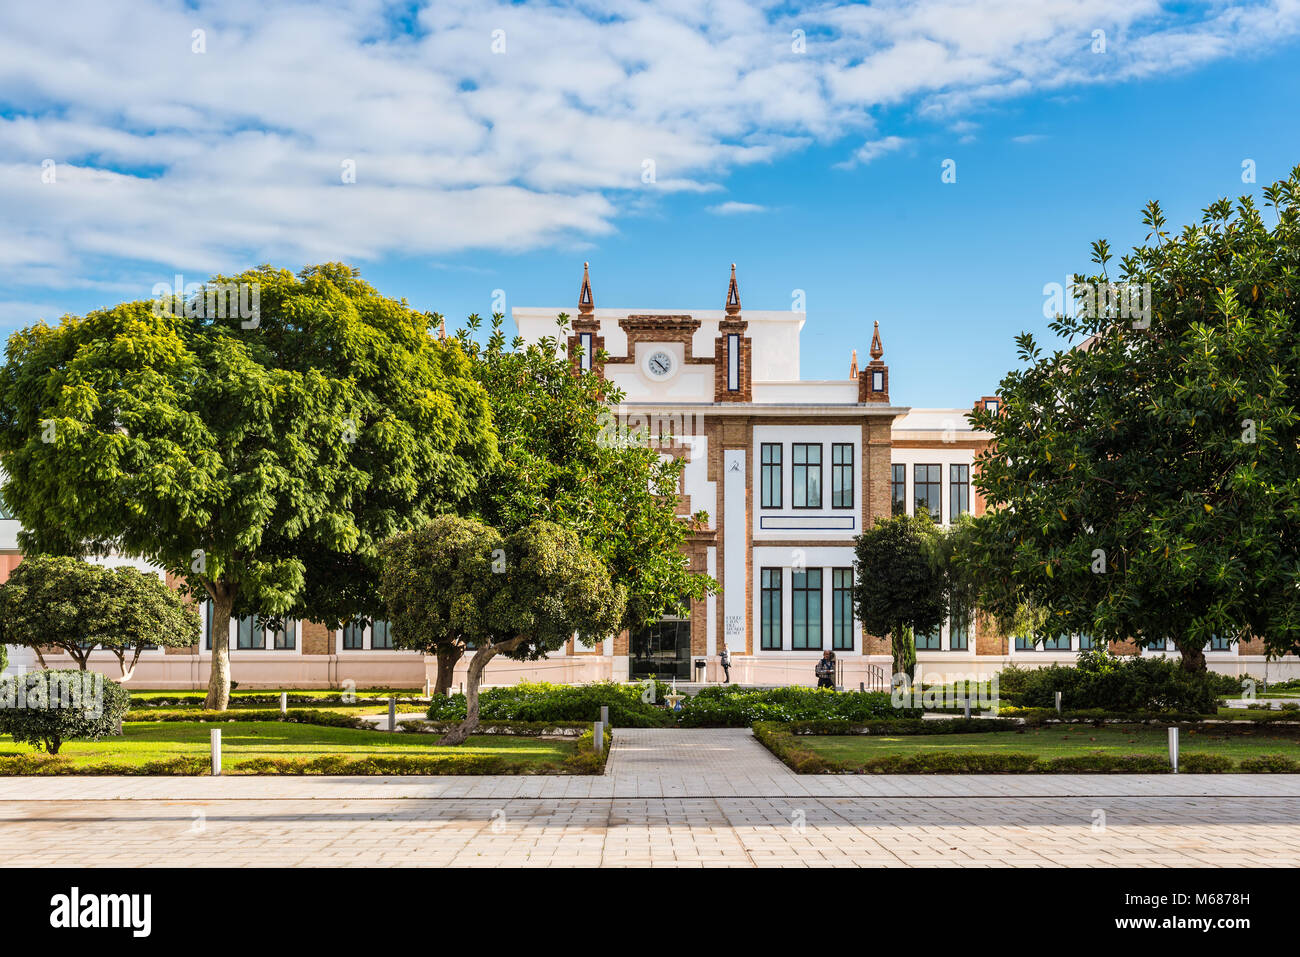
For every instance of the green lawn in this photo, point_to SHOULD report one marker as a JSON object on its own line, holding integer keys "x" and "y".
{"x": 1059, "y": 742}
{"x": 146, "y": 741}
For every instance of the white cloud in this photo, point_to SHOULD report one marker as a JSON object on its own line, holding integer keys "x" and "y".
{"x": 173, "y": 160}
{"x": 733, "y": 208}
{"x": 873, "y": 149}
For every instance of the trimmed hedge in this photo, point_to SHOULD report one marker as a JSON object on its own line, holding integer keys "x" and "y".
{"x": 905, "y": 726}
{"x": 783, "y": 741}
{"x": 293, "y": 716}
{"x": 1116, "y": 683}
{"x": 544, "y": 702}
{"x": 726, "y": 706}
{"x": 1270, "y": 764}
{"x": 584, "y": 761}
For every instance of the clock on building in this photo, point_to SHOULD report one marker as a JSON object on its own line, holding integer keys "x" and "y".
{"x": 660, "y": 364}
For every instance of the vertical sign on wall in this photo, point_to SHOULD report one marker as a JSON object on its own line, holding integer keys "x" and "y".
{"x": 733, "y": 543}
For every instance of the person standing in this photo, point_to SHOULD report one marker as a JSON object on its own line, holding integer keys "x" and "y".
{"x": 725, "y": 660}
{"x": 825, "y": 671}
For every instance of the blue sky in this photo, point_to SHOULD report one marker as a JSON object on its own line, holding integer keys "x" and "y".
{"x": 479, "y": 170}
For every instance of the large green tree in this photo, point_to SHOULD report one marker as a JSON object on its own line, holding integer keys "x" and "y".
{"x": 77, "y": 607}
{"x": 1145, "y": 482}
{"x": 565, "y": 459}
{"x": 901, "y": 583}
{"x": 521, "y": 594}
{"x": 261, "y": 458}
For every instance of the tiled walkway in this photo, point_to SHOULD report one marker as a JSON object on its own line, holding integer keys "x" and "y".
{"x": 669, "y": 797}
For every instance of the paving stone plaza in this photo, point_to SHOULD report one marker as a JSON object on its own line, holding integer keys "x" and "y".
{"x": 671, "y": 798}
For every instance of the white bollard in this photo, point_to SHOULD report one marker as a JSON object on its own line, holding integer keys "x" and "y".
{"x": 1058, "y": 702}
{"x": 428, "y": 688}
{"x": 604, "y": 714}
{"x": 216, "y": 751}
{"x": 1173, "y": 749}
{"x": 599, "y": 737}
{"x": 284, "y": 702}
{"x": 966, "y": 708}
{"x": 392, "y": 714}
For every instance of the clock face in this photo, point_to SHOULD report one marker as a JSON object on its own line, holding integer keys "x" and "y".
{"x": 660, "y": 364}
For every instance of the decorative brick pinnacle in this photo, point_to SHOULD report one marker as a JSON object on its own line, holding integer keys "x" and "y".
{"x": 877, "y": 350}
{"x": 586, "y": 301}
{"x": 733, "y": 294}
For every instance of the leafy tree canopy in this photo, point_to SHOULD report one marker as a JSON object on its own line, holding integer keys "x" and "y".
{"x": 75, "y": 606}
{"x": 901, "y": 582}
{"x": 521, "y": 594}
{"x": 1145, "y": 483}
{"x": 261, "y": 459}
{"x": 563, "y": 462}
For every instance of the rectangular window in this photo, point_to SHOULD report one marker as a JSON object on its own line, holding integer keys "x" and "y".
{"x": 877, "y": 381}
{"x": 1024, "y": 643}
{"x": 806, "y": 610}
{"x": 958, "y": 490}
{"x": 585, "y": 341}
{"x": 898, "y": 488}
{"x": 381, "y": 635}
{"x": 842, "y": 609}
{"x": 770, "y": 457}
{"x": 930, "y": 642}
{"x": 926, "y": 490}
{"x": 806, "y": 475}
{"x": 1085, "y": 642}
{"x": 733, "y": 363}
{"x": 842, "y": 475}
{"x": 1218, "y": 643}
{"x": 250, "y": 634}
{"x": 286, "y": 638}
{"x": 354, "y": 636}
{"x": 1057, "y": 644}
{"x": 770, "y": 599}
{"x": 958, "y": 630}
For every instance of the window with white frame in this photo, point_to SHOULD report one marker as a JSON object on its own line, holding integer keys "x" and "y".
{"x": 927, "y": 491}
{"x": 958, "y": 490}
{"x": 842, "y": 609}
{"x": 770, "y": 474}
{"x": 770, "y": 609}
{"x": 806, "y": 610}
{"x": 806, "y": 475}
{"x": 842, "y": 475}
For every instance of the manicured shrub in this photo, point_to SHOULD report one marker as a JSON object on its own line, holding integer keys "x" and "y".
{"x": 544, "y": 702}
{"x": 905, "y": 726}
{"x": 46, "y": 708}
{"x": 1120, "y": 684}
{"x": 329, "y": 719}
{"x": 740, "y": 708}
{"x": 1205, "y": 763}
{"x": 1270, "y": 764}
{"x": 4, "y": 658}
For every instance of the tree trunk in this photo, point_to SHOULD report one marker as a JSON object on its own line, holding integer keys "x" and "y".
{"x": 128, "y": 673}
{"x": 904, "y": 649}
{"x": 448, "y": 655}
{"x": 485, "y": 653}
{"x": 1193, "y": 657}
{"x": 223, "y": 603}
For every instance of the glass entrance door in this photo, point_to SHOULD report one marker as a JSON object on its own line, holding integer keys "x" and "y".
{"x": 663, "y": 650}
